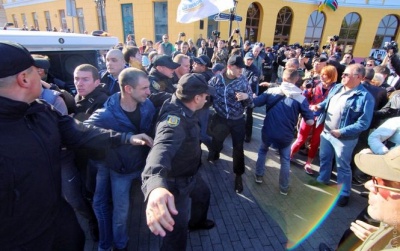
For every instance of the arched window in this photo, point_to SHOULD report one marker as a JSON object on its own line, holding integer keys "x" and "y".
{"x": 315, "y": 26}
{"x": 386, "y": 32}
{"x": 283, "y": 25}
{"x": 349, "y": 31}
{"x": 252, "y": 23}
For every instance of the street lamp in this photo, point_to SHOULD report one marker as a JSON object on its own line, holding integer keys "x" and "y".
{"x": 101, "y": 4}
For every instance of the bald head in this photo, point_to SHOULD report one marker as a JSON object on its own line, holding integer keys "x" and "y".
{"x": 115, "y": 62}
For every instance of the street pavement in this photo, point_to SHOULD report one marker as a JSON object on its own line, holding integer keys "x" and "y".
{"x": 260, "y": 218}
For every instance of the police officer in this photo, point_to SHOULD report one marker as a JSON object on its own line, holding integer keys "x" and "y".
{"x": 161, "y": 79}
{"x": 170, "y": 177}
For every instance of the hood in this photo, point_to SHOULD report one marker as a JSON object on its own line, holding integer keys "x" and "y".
{"x": 290, "y": 90}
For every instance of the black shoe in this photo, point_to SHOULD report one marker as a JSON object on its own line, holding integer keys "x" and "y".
{"x": 343, "y": 201}
{"x": 213, "y": 156}
{"x": 206, "y": 225}
{"x": 94, "y": 230}
{"x": 324, "y": 247}
{"x": 247, "y": 139}
{"x": 238, "y": 184}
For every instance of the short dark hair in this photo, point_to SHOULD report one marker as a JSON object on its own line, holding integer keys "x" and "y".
{"x": 129, "y": 51}
{"x": 382, "y": 69}
{"x": 130, "y": 76}
{"x": 90, "y": 68}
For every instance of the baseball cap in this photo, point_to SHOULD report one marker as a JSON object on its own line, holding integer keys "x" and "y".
{"x": 192, "y": 84}
{"x": 217, "y": 67}
{"x": 249, "y": 55}
{"x": 237, "y": 61}
{"x": 14, "y": 59}
{"x": 385, "y": 166}
{"x": 42, "y": 63}
{"x": 247, "y": 42}
{"x": 166, "y": 61}
{"x": 203, "y": 59}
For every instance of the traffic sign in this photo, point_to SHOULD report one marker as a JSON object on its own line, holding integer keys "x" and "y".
{"x": 226, "y": 17}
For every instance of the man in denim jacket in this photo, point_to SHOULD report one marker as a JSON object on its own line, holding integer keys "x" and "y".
{"x": 346, "y": 112}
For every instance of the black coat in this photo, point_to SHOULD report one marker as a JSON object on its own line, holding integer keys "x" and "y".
{"x": 31, "y": 136}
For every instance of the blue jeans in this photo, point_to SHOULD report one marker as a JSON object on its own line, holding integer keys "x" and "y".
{"x": 111, "y": 206}
{"x": 284, "y": 153}
{"x": 342, "y": 150}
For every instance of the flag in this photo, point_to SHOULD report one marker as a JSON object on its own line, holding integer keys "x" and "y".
{"x": 193, "y": 10}
{"x": 333, "y": 4}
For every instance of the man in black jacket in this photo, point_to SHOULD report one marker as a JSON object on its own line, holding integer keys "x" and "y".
{"x": 33, "y": 215}
{"x": 170, "y": 177}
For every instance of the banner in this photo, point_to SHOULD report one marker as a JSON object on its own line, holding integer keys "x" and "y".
{"x": 194, "y": 10}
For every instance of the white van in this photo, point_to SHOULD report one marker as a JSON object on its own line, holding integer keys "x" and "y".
{"x": 65, "y": 50}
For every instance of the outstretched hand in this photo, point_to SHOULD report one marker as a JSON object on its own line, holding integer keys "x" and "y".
{"x": 160, "y": 206}
{"x": 141, "y": 140}
{"x": 362, "y": 230}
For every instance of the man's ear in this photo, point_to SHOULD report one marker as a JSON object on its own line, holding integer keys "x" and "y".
{"x": 22, "y": 79}
{"x": 97, "y": 82}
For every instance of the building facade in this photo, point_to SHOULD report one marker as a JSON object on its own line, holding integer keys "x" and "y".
{"x": 362, "y": 25}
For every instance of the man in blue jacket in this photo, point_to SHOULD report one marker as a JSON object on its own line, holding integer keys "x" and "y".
{"x": 346, "y": 112}
{"x": 284, "y": 104}
{"x": 127, "y": 111}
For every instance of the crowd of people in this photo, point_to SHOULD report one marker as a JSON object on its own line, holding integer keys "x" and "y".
{"x": 145, "y": 115}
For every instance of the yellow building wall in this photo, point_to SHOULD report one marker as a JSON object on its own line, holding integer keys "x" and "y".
{"x": 144, "y": 20}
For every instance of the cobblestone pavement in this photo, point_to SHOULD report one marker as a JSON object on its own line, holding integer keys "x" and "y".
{"x": 260, "y": 218}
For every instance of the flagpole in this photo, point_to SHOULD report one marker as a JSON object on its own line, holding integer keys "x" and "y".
{"x": 233, "y": 12}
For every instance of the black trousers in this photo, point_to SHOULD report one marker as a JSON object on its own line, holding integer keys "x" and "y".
{"x": 221, "y": 128}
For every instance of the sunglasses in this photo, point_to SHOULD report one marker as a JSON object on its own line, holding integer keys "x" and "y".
{"x": 368, "y": 64}
{"x": 377, "y": 186}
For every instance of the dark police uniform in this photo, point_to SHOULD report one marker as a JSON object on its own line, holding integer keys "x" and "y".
{"x": 173, "y": 163}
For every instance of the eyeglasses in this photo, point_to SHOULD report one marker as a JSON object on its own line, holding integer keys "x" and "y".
{"x": 348, "y": 75}
{"x": 164, "y": 38}
{"x": 377, "y": 186}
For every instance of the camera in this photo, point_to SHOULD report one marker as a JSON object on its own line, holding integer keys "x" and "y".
{"x": 326, "y": 47}
{"x": 391, "y": 46}
{"x": 237, "y": 30}
{"x": 308, "y": 83}
{"x": 182, "y": 34}
{"x": 308, "y": 54}
{"x": 216, "y": 33}
{"x": 335, "y": 38}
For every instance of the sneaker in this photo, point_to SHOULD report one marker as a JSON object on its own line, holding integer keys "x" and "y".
{"x": 308, "y": 169}
{"x": 238, "y": 184}
{"x": 283, "y": 192}
{"x": 258, "y": 179}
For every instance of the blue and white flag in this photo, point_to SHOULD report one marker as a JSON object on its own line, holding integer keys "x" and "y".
{"x": 194, "y": 10}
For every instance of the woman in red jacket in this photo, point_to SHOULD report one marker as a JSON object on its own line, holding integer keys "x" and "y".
{"x": 315, "y": 95}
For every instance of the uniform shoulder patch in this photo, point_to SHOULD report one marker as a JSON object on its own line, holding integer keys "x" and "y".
{"x": 173, "y": 120}
{"x": 156, "y": 85}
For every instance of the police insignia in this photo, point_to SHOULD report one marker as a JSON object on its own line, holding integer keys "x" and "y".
{"x": 173, "y": 120}
{"x": 156, "y": 85}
